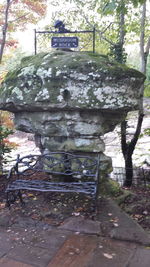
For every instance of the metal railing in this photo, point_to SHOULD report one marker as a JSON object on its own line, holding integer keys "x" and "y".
{"x": 141, "y": 176}
{"x": 42, "y": 39}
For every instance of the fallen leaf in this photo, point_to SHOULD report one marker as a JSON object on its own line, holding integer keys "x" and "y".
{"x": 114, "y": 220}
{"x": 30, "y": 195}
{"x": 108, "y": 256}
{"x": 79, "y": 209}
{"x": 76, "y": 213}
{"x": 116, "y": 224}
{"x": 145, "y": 212}
{"x": 137, "y": 216}
{"x": 77, "y": 250}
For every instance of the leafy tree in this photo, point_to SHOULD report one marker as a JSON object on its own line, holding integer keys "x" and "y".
{"x": 129, "y": 146}
{"x": 5, "y": 146}
{"x": 16, "y": 14}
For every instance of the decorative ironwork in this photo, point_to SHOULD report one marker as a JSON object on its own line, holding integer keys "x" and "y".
{"x": 57, "y": 163}
{"x": 141, "y": 176}
{"x": 82, "y": 173}
{"x": 72, "y": 42}
{"x": 43, "y": 186}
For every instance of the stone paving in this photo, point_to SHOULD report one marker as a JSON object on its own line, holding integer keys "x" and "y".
{"x": 76, "y": 242}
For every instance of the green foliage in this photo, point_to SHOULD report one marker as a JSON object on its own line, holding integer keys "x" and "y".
{"x": 147, "y": 91}
{"x": 145, "y": 132}
{"x": 136, "y": 2}
{"x": 118, "y": 53}
{"x": 122, "y": 198}
{"x": 5, "y": 146}
{"x": 6, "y": 128}
{"x": 110, "y": 188}
{"x": 148, "y": 68}
{"x": 147, "y": 83}
{"x": 10, "y": 62}
{"x": 109, "y": 7}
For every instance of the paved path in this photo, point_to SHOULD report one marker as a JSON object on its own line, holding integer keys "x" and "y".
{"x": 114, "y": 240}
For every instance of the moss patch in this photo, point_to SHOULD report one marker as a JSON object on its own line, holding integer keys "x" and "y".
{"x": 92, "y": 81}
{"x": 110, "y": 188}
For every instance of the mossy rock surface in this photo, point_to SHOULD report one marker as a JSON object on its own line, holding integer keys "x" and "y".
{"x": 70, "y": 80}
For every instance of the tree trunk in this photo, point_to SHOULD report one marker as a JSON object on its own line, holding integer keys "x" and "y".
{"x": 4, "y": 30}
{"x": 128, "y": 171}
{"x": 128, "y": 147}
{"x": 122, "y": 23}
{"x": 142, "y": 38}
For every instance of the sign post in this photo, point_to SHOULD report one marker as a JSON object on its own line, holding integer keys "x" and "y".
{"x": 65, "y": 42}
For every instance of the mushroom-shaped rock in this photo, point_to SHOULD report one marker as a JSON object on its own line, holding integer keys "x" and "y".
{"x": 72, "y": 81}
{"x": 70, "y": 99}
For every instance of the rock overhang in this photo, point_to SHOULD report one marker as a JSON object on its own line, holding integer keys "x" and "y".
{"x": 69, "y": 99}
{"x": 70, "y": 80}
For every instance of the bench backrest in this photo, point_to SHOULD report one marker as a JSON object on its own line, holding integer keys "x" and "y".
{"x": 59, "y": 163}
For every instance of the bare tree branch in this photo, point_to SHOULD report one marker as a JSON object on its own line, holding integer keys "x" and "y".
{"x": 107, "y": 27}
{"x": 11, "y": 21}
{"x": 98, "y": 31}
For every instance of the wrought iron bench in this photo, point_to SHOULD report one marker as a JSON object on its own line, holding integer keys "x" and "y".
{"x": 65, "y": 172}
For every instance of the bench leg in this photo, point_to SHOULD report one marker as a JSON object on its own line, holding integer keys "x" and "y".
{"x": 10, "y": 198}
{"x": 7, "y": 200}
{"x": 96, "y": 204}
{"x": 20, "y": 197}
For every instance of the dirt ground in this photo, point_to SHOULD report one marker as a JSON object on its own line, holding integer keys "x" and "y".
{"x": 54, "y": 208}
{"x": 49, "y": 207}
{"x": 137, "y": 205}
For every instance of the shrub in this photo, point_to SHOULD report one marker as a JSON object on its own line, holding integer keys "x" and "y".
{"x": 6, "y": 128}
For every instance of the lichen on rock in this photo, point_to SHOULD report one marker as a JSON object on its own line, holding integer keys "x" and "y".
{"x": 69, "y": 100}
{"x": 92, "y": 81}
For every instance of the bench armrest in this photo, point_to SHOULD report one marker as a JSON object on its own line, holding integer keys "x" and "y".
{"x": 13, "y": 169}
{"x": 9, "y": 175}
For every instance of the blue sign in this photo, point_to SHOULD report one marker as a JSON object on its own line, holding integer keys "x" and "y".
{"x": 64, "y": 42}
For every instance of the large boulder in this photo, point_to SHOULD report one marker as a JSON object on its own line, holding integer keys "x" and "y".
{"x": 70, "y": 80}
{"x": 69, "y": 99}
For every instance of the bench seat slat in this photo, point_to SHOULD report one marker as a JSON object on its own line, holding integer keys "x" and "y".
{"x": 43, "y": 186}
{"x": 62, "y": 164}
